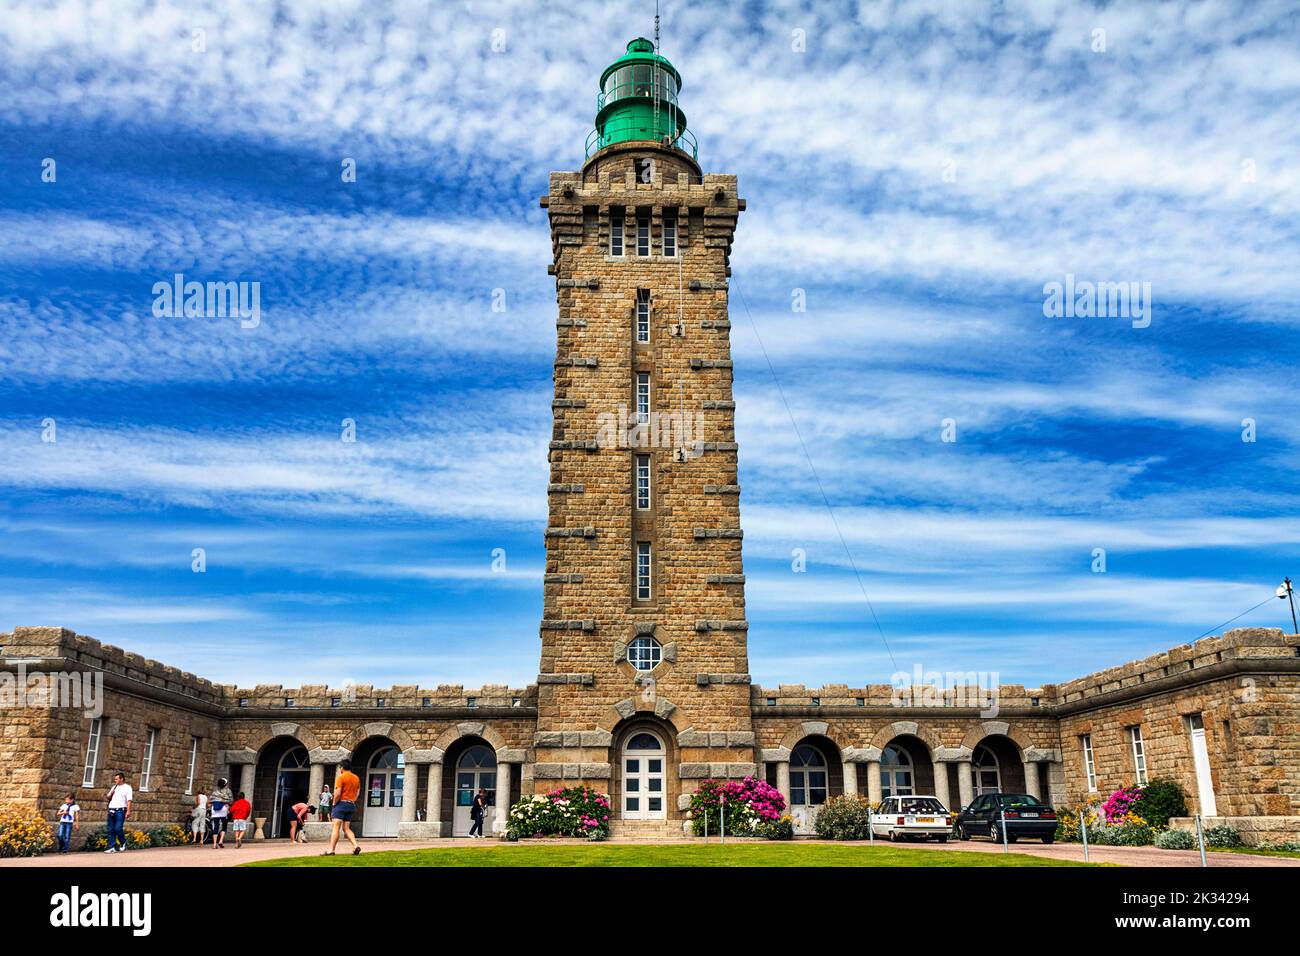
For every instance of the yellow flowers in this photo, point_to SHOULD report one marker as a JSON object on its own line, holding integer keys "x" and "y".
{"x": 23, "y": 832}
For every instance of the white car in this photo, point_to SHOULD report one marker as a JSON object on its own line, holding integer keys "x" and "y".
{"x": 914, "y": 816}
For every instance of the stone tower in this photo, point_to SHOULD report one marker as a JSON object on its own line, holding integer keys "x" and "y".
{"x": 644, "y": 684}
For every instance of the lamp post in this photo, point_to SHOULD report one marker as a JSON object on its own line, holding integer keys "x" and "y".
{"x": 1286, "y": 591}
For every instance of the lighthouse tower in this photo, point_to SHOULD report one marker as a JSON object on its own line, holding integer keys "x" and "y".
{"x": 644, "y": 684}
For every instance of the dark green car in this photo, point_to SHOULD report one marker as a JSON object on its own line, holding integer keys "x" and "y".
{"x": 1021, "y": 814}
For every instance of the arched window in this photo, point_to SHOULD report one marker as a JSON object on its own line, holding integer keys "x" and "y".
{"x": 644, "y": 653}
{"x": 807, "y": 776}
{"x": 896, "y": 778}
{"x": 478, "y": 756}
{"x": 985, "y": 771}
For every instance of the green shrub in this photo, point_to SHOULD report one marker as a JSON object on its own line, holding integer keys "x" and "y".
{"x": 1288, "y": 846}
{"x": 780, "y": 829}
{"x": 1160, "y": 800}
{"x": 1222, "y": 837}
{"x": 167, "y": 835}
{"x": 1176, "y": 840}
{"x": 844, "y": 818}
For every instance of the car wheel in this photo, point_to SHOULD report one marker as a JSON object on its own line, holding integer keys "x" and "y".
{"x": 962, "y": 834}
{"x": 1049, "y": 838}
{"x": 994, "y": 835}
{"x": 893, "y": 836}
{"x": 943, "y": 838}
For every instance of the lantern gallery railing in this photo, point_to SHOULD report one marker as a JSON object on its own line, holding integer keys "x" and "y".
{"x": 617, "y": 131}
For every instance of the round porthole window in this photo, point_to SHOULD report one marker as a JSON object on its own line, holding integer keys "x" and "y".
{"x": 644, "y": 653}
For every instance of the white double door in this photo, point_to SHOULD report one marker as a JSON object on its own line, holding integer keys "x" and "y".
{"x": 643, "y": 778}
{"x": 385, "y": 791}
{"x": 476, "y": 770}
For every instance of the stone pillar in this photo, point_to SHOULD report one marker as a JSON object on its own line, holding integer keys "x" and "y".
{"x": 246, "y": 776}
{"x": 315, "y": 782}
{"x": 874, "y": 790}
{"x": 1056, "y": 783}
{"x": 965, "y": 783}
{"x": 410, "y": 790}
{"x": 433, "y": 798}
{"x": 783, "y": 780}
{"x": 941, "y": 784}
{"x": 502, "y": 797}
{"x": 1031, "y": 779}
{"x": 850, "y": 779}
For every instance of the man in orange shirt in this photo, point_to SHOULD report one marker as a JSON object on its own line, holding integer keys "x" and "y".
{"x": 347, "y": 787}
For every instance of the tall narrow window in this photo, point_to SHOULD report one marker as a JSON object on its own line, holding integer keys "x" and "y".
{"x": 643, "y": 570}
{"x": 194, "y": 763}
{"x": 1139, "y": 755}
{"x": 643, "y": 482}
{"x": 616, "y": 234}
{"x": 1089, "y": 767}
{"x": 670, "y": 236}
{"x": 92, "y": 753}
{"x": 643, "y": 315}
{"x": 643, "y": 398}
{"x": 643, "y": 235}
{"x": 146, "y": 766}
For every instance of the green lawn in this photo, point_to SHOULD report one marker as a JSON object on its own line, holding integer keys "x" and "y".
{"x": 740, "y": 854}
{"x": 1258, "y": 851}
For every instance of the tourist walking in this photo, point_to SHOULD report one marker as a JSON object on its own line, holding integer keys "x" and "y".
{"x": 220, "y": 800}
{"x": 477, "y": 811}
{"x": 69, "y": 820}
{"x": 240, "y": 811}
{"x": 347, "y": 787}
{"x": 120, "y": 796}
{"x": 326, "y": 798}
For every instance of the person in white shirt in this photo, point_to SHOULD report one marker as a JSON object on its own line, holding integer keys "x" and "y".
{"x": 120, "y": 796}
{"x": 69, "y": 820}
{"x": 199, "y": 818}
{"x": 220, "y": 800}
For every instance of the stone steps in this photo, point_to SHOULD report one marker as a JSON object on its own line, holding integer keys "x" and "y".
{"x": 645, "y": 830}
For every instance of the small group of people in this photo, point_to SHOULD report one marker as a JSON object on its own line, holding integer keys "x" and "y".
{"x": 218, "y": 811}
{"x": 221, "y": 809}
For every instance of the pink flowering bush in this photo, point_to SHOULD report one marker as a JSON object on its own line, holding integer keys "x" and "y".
{"x": 570, "y": 812}
{"x": 1121, "y": 803}
{"x": 747, "y": 804}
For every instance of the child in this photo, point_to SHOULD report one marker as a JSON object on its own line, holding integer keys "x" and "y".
{"x": 69, "y": 820}
{"x": 239, "y": 812}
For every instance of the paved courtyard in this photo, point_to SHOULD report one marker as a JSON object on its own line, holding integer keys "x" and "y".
{"x": 275, "y": 849}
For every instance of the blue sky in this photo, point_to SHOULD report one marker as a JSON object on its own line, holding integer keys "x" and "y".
{"x": 919, "y": 171}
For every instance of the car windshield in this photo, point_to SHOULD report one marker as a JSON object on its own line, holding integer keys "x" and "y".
{"x": 921, "y": 805}
{"x": 1020, "y": 800}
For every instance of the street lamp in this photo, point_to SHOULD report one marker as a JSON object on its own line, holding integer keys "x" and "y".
{"x": 1286, "y": 592}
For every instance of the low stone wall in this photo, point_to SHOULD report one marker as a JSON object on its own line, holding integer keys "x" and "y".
{"x": 1255, "y": 831}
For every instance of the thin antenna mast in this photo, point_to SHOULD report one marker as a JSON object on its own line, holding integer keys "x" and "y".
{"x": 654, "y": 73}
